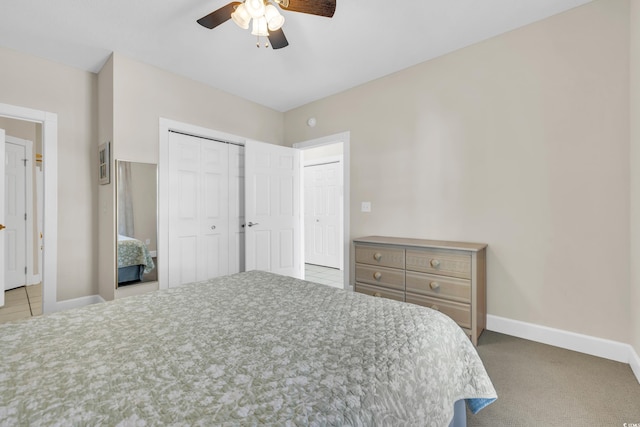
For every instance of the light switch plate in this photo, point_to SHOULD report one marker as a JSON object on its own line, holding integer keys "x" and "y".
{"x": 366, "y": 207}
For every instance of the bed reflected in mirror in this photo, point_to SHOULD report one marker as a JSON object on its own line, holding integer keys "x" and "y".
{"x": 136, "y": 223}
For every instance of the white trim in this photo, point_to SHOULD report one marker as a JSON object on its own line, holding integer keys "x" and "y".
{"x": 345, "y": 138}
{"x": 78, "y": 302}
{"x": 607, "y": 349}
{"x": 50, "y": 170}
{"x": 634, "y": 362}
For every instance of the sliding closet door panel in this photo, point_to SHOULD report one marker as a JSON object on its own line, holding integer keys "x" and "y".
{"x": 187, "y": 251}
{"x": 215, "y": 209}
{"x": 198, "y": 209}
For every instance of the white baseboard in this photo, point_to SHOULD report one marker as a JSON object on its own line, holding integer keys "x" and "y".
{"x": 78, "y": 302}
{"x": 634, "y": 362}
{"x": 607, "y": 349}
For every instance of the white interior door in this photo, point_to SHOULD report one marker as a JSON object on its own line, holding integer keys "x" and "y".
{"x": 198, "y": 209}
{"x": 322, "y": 214}
{"x": 273, "y": 196}
{"x": 2, "y": 216}
{"x": 15, "y": 208}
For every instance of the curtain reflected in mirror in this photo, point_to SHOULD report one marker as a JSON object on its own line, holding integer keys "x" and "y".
{"x": 136, "y": 222}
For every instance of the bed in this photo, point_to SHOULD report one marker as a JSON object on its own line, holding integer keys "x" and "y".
{"x": 134, "y": 260}
{"x": 253, "y": 348}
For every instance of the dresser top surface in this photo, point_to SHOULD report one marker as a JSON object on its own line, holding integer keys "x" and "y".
{"x": 420, "y": 243}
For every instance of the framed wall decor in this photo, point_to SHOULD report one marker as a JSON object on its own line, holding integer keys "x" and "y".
{"x": 104, "y": 162}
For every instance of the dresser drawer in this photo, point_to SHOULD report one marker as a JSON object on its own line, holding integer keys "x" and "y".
{"x": 440, "y": 261}
{"x": 375, "y": 255}
{"x": 449, "y": 288}
{"x": 379, "y": 291}
{"x": 380, "y": 276}
{"x": 460, "y": 313}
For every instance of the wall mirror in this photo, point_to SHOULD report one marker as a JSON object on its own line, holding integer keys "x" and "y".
{"x": 136, "y": 223}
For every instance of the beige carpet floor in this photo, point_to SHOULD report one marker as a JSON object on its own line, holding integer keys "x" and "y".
{"x": 541, "y": 385}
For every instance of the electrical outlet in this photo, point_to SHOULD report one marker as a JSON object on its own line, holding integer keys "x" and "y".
{"x": 366, "y": 207}
{"x": 148, "y": 241}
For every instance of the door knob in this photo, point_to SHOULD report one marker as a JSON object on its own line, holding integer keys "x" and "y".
{"x": 2, "y": 227}
{"x": 251, "y": 224}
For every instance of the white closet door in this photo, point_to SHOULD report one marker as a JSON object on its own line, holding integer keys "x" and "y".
{"x": 214, "y": 198}
{"x": 273, "y": 212}
{"x": 2, "y": 215}
{"x": 15, "y": 268}
{"x": 323, "y": 214}
{"x": 198, "y": 209}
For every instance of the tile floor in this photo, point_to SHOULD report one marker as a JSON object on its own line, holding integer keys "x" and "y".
{"x": 325, "y": 275}
{"x": 21, "y": 303}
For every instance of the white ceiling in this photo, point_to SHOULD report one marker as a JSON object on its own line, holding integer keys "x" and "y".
{"x": 365, "y": 40}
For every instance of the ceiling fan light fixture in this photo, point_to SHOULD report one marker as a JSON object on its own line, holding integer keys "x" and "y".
{"x": 275, "y": 20}
{"x": 260, "y": 27}
{"x": 255, "y": 8}
{"x": 241, "y": 17}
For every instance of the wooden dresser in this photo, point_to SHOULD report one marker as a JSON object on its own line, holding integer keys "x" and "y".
{"x": 446, "y": 276}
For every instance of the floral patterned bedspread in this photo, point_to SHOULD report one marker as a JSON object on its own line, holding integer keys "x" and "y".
{"x": 134, "y": 252}
{"x": 248, "y": 349}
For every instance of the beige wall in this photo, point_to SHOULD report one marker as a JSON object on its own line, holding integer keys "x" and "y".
{"x": 38, "y": 84}
{"x": 635, "y": 174}
{"x": 520, "y": 141}
{"x": 20, "y": 129}
{"x": 142, "y": 94}
{"x": 331, "y": 150}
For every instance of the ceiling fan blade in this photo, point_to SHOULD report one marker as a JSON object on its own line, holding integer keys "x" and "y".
{"x": 314, "y": 7}
{"x": 219, "y": 16}
{"x": 277, "y": 39}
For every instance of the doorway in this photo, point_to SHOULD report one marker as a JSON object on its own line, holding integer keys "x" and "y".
{"x": 330, "y": 150}
{"x": 49, "y": 139}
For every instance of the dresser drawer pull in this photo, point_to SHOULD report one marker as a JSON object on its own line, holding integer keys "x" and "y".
{"x": 377, "y": 294}
{"x": 435, "y": 307}
{"x": 434, "y": 286}
{"x": 435, "y": 263}
{"x": 377, "y": 275}
{"x": 377, "y": 256}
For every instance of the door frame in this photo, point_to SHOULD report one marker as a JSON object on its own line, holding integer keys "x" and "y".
{"x": 345, "y": 138}
{"x": 165, "y": 126}
{"x": 49, "y": 122}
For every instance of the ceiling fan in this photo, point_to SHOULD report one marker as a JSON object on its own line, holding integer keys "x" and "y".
{"x": 265, "y": 17}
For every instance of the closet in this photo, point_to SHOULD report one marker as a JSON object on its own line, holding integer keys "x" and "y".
{"x": 227, "y": 206}
{"x": 206, "y": 210}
